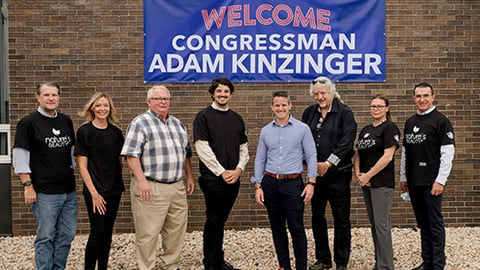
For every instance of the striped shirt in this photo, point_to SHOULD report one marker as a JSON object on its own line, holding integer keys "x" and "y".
{"x": 162, "y": 147}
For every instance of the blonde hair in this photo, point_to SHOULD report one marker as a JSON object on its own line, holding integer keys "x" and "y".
{"x": 88, "y": 109}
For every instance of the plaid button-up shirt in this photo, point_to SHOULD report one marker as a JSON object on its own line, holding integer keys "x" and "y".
{"x": 162, "y": 147}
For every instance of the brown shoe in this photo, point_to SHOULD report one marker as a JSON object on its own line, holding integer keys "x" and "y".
{"x": 320, "y": 266}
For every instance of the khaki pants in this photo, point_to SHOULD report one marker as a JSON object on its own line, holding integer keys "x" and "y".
{"x": 167, "y": 215}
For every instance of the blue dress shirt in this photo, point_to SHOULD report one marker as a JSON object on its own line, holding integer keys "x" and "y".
{"x": 282, "y": 149}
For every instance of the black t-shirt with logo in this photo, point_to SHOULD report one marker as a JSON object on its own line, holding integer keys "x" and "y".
{"x": 49, "y": 141}
{"x": 371, "y": 143}
{"x": 424, "y": 135}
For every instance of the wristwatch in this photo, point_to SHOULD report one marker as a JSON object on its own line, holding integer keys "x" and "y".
{"x": 27, "y": 183}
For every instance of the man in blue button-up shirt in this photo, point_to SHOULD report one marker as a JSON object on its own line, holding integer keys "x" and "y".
{"x": 283, "y": 145}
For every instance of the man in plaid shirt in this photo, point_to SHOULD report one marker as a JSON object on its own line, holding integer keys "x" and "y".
{"x": 158, "y": 153}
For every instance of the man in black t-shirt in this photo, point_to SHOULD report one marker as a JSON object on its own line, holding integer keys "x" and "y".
{"x": 222, "y": 146}
{"x": 427, "y": 155}
{"x": 43, "y": 158}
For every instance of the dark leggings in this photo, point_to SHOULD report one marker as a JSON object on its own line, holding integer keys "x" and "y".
{"x": 101, "y": 229}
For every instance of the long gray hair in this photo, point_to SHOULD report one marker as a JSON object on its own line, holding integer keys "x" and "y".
{"x": 323, "y": 81}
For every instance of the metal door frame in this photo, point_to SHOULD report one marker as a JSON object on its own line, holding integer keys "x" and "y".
{"x": 5, "y": 140}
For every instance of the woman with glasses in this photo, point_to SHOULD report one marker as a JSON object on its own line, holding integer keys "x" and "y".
{"x": 374, "y": 170}
{"x": 99, "y": 142}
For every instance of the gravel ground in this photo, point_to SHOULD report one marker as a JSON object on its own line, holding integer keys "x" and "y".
{"x": 253, "y": 249}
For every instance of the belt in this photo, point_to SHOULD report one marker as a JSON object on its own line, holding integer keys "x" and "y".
{"x": 161, "y": 182}
{"x": 283, "y": 176}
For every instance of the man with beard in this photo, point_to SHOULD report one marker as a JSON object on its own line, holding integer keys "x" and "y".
{"x": 222, "y": 146}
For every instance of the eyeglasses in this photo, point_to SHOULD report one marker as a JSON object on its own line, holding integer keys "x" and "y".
{"x": 160, "y": 99}
{"x": 321, "y": 81}
{"x": 377, "y": 107}
{"x": 320, "y": 122}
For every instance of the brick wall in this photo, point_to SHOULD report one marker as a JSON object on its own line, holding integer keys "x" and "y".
{"x": 90, "y": 46}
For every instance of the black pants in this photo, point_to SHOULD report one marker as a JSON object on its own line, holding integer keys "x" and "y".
{"x": 101, "y": 229}
{"x": 428, "y": 212}
{"x": 285, "y": 206}
{"x": 219, "y": 200}
{"x": 333, "y": 187}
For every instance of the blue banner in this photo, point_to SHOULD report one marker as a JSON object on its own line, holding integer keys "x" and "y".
{"x": 254, "y": 41}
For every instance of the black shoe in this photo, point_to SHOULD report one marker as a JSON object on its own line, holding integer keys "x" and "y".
{"x": 227, "y": 266}
{"x": 320, "y": 266}
{"x": 420, "y": 267}
{"x": 341, "y": 267}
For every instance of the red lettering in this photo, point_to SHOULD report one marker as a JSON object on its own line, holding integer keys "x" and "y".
{"x": 259, "y": 15}
{"x": 213, "y": 16}
{"x": 246, "y": 20}
{"x": 322, "y": 20}
{"x": 276, "y": 17}
{"x": 266, "y": 14}
{"x": 308, "y": 19}
{"x": 233, "y": 15}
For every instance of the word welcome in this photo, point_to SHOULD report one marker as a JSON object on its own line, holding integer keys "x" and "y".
{"x": 266, "y": 14}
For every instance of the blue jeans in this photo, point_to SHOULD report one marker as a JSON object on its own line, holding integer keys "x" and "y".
{"x": 56, "y": 216}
